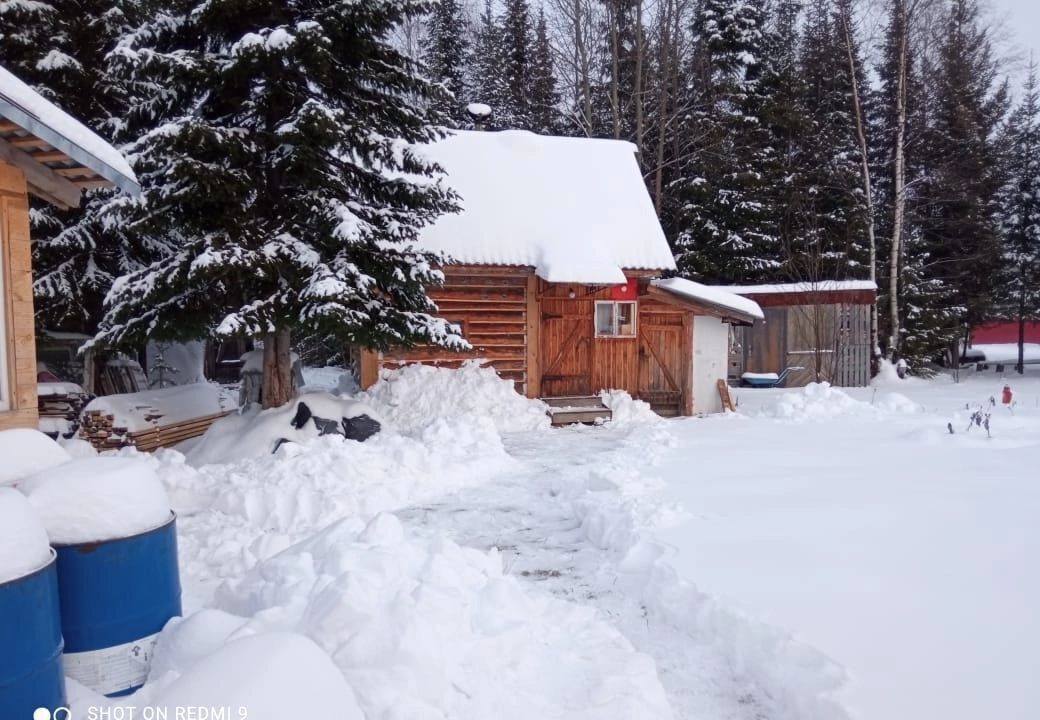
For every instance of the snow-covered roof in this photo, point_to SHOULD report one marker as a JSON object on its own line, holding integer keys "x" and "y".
{"x": 801, "y": 287}
{"x": 23, "y": 106}
{"x": 710, "y": 295}
{"x": 575, "y": 209}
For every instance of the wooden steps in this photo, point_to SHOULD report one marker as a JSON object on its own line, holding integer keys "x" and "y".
{"x": 577, "y": 409}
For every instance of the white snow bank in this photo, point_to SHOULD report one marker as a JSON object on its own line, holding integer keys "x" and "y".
{"x": 150, "y": 408}
{"x": 434, "y": 630}
{"x": 820, "y": 402}
{"x": 26, "y": 451}
{"x": 711, "y": 295}
{"x": 1003, "y": 353}
{"x": 96, "y": 499}
{"x": 625, "y": 409}
{"x": 575, "y": 209}
{"x": 411, "y": 397}
{"x": 254, "y": 433}
{"x": 24, "y": 546}
{"x": 270, "y": 676}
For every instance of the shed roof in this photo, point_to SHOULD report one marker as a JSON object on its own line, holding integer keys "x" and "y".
{"x": 60, "y": 155}
{"x": 730, "y": 305}
{"x": 574, "y": 209}
{"x": 802, "y": 287}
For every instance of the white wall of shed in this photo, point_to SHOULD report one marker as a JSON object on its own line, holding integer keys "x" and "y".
{"x": 710, "y": 363}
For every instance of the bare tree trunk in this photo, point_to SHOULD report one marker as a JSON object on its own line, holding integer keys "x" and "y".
{"x": 615, "y": 71}
{"x": 638, "y": 80}
{"x": 278, "y": 385}
{"x": 899, "y": 177}
{"x": 663, "y": 84}
{"x": 861, "y": 138}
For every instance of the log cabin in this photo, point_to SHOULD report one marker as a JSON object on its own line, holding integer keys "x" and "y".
{"x": 557, "y": 278}
{"x": 821, "y": 328}
{"x": 44, "y": 152}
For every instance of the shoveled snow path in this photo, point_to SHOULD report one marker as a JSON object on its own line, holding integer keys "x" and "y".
{"x": 539, "y": 519}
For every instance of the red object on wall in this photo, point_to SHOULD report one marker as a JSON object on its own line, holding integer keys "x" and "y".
{"x": 994, "y": 333}
{"x": 628, "y": 291}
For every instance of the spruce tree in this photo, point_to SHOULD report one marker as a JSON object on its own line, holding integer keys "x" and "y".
{"x": 1020, "y": 213}
{"x": 444, "y": 53}
{"x": 517, "y": 63}
{"x": 486, "y": 79}
{"x": 544, "y": 97}
{"x": 959, "y": 226}
{"x": 60, "y": 48}
{"x": 282, "y": 175}
{"x": 726, "y": 226}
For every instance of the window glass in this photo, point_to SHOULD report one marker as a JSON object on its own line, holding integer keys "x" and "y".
{"x": 604, "y": 318}
{"x": 626, "y": 319}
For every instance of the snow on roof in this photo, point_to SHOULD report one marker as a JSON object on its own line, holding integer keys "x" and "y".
{"x": 717, "y": 296}
{"x": 23, "y": 106}
{"x": 800, "y": 287}
{"x": 575, "y": 209}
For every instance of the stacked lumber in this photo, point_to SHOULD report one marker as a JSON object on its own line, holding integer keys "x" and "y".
{"x": 60, "y": 405}
{"x": 101, "y": 431}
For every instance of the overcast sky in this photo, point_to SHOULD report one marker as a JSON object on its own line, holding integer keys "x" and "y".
{"x": 1019, "y": 25}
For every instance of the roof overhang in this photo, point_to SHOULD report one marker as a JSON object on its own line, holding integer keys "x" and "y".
{"x": 699, "y": 307}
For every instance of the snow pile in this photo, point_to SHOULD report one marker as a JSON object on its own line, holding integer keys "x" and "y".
{"x": 625, "y": 409}
{"x": 96, "y": 499}
{"x": 24, "y": 546}
{"x": 412, "y": 397}
{"x": 149, "y": 408}
{"x": 255, "y": 433}
{"x": 816, "y": 402}
{"x": 433, "y": 630}
{"x": 267, "y": 676}
{"x": 25, "y": 452}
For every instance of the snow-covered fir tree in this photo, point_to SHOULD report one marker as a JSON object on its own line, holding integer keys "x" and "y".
{"x": 544, "y": 97}
{"x": 828, "y": 213}
{"x": 726, "y": 228}
{"x": 959, "y": 224}
{"x": 486, "y": 80}
{"x": 445, "y": 54}
{"x": 282, "y": 174}
{"x": 1020, "y": 213}
{"x": 517, "y": 37}
{"x": 59, "y": 48}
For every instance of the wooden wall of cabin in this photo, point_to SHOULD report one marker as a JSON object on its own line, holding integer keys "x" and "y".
{"x": 16, "y": 302}
{"x": 534, "y": 333}
{"x": 498, "y": 312}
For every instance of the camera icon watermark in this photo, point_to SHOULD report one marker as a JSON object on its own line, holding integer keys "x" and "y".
{"x": 42, "y": 713}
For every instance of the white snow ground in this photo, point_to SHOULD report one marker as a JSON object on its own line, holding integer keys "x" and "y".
{"x": 484, "y": 565}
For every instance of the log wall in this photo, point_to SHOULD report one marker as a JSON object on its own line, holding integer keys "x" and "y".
{"x": 16, "y": 302}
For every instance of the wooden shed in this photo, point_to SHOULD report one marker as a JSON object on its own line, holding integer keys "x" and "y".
{"x": 823, "y": 328}
{"x": 556, "y": 281}
{"x": 46, "y": 153}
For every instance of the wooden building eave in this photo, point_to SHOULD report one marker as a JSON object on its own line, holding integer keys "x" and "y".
{"x": 726, "y": 314}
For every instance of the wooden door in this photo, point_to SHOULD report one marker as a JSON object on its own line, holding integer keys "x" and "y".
{"x": 766, "y": 343}
{"x": 566, "y": 347}
{"x": 663, "y": 361}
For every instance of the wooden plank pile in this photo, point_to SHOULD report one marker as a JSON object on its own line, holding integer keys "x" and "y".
{"x": 101, "y": 431}
{"x": 61, "y": 401}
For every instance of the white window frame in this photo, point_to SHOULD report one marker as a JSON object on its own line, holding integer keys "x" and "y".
{"x": 5, "y": 378}
{"x": 616, "y": 330}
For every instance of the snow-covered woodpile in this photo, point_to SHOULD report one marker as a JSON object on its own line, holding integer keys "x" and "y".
{"x": 153, "y": 419}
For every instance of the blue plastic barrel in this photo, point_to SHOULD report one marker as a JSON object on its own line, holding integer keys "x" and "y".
{"x": 30, "y": 644}
{"x": 116, "y": 596}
